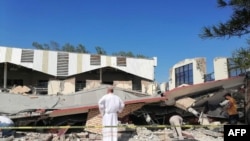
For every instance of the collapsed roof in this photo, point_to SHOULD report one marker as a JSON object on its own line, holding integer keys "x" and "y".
{"x": 14, "y": 105}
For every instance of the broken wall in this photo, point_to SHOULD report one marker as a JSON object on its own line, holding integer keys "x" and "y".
{"x": 61, "y": 86}
{"x": 220, "y": 68}
{"x": 20, "y": 90}
{"x": 94, "y": 119}
{"x": 148, "y": 87}
{"x": 90, "y": 84}
{"x": 123, "y": 84}
{"x": 184, "y": 103}
{"x": 199, "y": 69}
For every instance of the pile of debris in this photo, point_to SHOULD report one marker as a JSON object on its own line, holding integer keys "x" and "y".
{"x": 138, "y": 134}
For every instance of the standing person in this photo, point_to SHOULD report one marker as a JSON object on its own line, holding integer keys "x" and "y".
{"x": 6, "y": 122}
{"x": 231, "y": 108}
{"x": 176, "y": 122}
{"x": 110, "y": 105}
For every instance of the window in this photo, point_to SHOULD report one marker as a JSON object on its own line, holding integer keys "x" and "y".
{"x": 235, "y": 72}
{"x": 14, "y": 82}
{"x": 80, "y": 85}
{"x": 209, "y": 77}
{"x": 62, "y": 64}
{"x": 42, "y": 83}
{"x": 27, "y": 56}
{"x": 233, "y": 69}
{"x": 95, "y": 60}
{"x": 121, "y": 61}
{"x": 184, "y": 75}
{"x": 41, "y": 87}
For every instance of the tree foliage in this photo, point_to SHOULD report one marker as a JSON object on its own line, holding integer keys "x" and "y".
{"x": 123, "y": 53}
{"x": 237, "y": 25}
{"x": 55, "y": 46}
{"x": 100, "y": 50}
{"x": 80, "y": 49}
{"x": 241, "y": 57}
{"x": 129, "y": 54}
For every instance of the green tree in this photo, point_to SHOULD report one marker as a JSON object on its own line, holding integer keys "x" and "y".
{"x": 129, "y": 54}
{"x": 68, "y": 48}
{"x": 141, "y": 56}
{"x": 81, "y": 49}
{"x": 100, "y": 50}
{"x": 241, "y": 57}
{"x": 46, "y": 47}
{"x": 237, "y": 25}
{"x": 123, "y": 53}
{"x": 37, "y": 45}
{"x": 51, "y": 46}
{"x": 54, "y": 45}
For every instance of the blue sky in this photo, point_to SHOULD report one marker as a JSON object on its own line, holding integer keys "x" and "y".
{"x": 166, "y": 29}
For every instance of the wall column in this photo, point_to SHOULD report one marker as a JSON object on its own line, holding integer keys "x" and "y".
{"x": 101, "y": 75}
{"x": 5, "y": 76}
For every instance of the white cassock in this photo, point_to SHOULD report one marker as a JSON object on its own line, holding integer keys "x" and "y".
{"x": 110, "y": 105}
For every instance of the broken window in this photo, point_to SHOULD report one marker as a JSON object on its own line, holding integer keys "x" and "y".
{"x": 121, "y": 61}
{"x": 80, "y": 85}
{"x": 95, "y": 60}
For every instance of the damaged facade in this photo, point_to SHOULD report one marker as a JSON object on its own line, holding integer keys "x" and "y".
{"x": 194, "y": 71}
{"x": 53, "y": 72}
{"x": 60, "y": 88}
{"x": 190, "y": 86}
{"x": 40, "y": 87}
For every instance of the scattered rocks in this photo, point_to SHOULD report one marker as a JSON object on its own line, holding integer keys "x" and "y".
{"x": 138, "y": 134}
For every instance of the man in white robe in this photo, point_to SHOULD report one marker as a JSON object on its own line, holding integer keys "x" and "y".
{"x": 110, "y": 105}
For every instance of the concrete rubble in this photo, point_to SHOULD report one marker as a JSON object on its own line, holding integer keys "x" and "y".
{"x": 138, "y": 134}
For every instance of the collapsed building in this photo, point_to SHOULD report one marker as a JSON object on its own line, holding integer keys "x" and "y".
{"x": 40, "y": 87}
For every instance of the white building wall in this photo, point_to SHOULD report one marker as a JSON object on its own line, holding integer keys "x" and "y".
{"x": 103, "y": 61}
{"x": 86, "y": 63}
{"x": 72, "y": 69}
{"x": 137, "y": 66}
{"x": 220, "y": 68}
{"x": 113, "y": 61}
{"x": 52, "y": 65}
{"x": 16, "y": 56}
{"x": 38, "y": 60}
{"x": 140, "y": 67}
{"x": 199, "y": 69}
{"x": 2, "y": 54}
